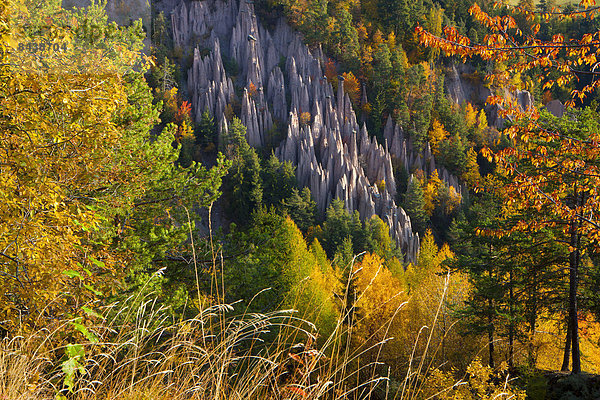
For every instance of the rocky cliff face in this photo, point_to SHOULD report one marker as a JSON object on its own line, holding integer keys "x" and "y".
{"x": 464, "y": 85}
{"x": 402, "y": 151}
{"x": 283, "y": 81}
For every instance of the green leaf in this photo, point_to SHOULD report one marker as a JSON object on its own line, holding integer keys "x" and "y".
{"x": 72, "y": 274}
{"x": 97, "y": 262}
{"x": 75, "y": 354}
{"x": 93, "y": 290}
{"x": 75, "y": 351}
{"x": 84, "y": 331}
{"x": 69, "y": 367}
{"x": 91, "y": 312}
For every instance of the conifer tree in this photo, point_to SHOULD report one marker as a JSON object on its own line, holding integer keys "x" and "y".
{"x": 279, "y": 180}
{"x": 301, "y": 208}
{"x": 414, "y": 204}
{"x": 206, "y": 131}
{"x": 471, "y": 174}
{"x": 382, "y": 69}
{"x": 242, "y": 186}
{"x": 477, "y": 256}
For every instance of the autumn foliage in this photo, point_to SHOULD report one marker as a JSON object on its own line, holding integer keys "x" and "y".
{"x": 506, "y": 41}
{"x": 79, "y": 173}
{"x": 352, "y": 87}
{"x": 549, "y": 170}
{"x": 54, "y": 163}
{"x": 331, "y": 71}
{"x": 184, "y": 113}
{"x": 98, "y": 206}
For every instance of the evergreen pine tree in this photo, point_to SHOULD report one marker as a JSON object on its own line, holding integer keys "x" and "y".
{"x": 206, "y": 130}
{"x": 278, "y": 179}
{"x": 243, "y": 185}
{"x": 301, "y": 208}
{"x": 414, "y": 204}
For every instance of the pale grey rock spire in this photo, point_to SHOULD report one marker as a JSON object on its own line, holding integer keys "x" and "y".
{"x": 208, "y": 85}
{"x": 333, "y": 155}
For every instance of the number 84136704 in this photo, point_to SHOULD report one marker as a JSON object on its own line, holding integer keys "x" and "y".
{"x": 40, "y": 47}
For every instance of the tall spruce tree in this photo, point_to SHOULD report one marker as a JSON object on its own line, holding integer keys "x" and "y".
{"x": 242, "y": 187}
{"x": 414, "y": 204}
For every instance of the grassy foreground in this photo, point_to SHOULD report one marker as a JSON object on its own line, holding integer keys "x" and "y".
{"x": 137, "y": 350}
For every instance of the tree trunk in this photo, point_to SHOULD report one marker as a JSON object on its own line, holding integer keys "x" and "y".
{"x": 511, "y": 340}
{"x": 444, "y": 334}
{"x": 491, "y": 334}
{"x": 532, "y": 320}
{"x": 511, "y": 326}
{"x": 573, "y": 283}
{"x": 573, "y": 315}
{"x": 567, "y": 353}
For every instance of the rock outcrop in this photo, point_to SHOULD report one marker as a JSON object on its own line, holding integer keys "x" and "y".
{"x": 284, "y": 81}
{"x": 402, "y": 152}
{"x": 556, "y": 108}
{"x": 208, "y": 85}
{"x": 463, "y": 84}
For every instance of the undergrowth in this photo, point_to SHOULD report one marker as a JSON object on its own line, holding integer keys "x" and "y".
{"x": 136, "y": 349}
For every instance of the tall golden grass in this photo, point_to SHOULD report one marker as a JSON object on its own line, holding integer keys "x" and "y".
{"x": 136, "y": 350}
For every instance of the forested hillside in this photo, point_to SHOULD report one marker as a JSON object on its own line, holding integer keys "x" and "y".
{"x": 299, "y": 199}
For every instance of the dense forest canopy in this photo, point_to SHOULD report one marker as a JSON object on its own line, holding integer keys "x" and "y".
{"x": 152, "y": 247}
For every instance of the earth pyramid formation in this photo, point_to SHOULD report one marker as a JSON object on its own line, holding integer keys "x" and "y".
{"x": 284, "y": 84}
